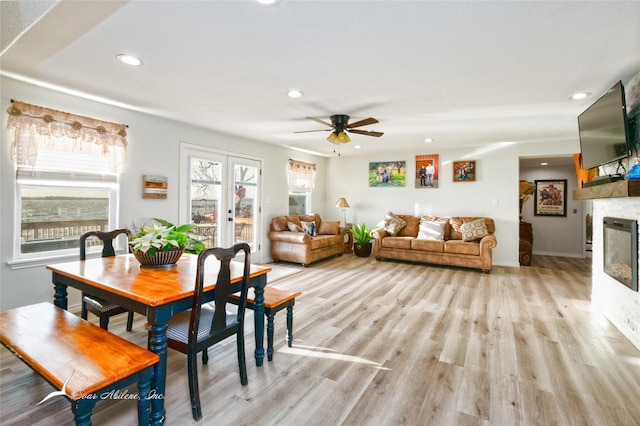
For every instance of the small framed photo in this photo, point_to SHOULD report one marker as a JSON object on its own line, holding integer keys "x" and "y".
{"x": 464, "y": 171}
{"x": 551, "y": 198}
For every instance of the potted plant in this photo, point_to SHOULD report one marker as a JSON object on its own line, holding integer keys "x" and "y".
{"x": 361, "y": 240}
{"x": 162, "y": 243}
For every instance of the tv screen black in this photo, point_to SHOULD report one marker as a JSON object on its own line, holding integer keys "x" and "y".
{"x": 603, "y": 130}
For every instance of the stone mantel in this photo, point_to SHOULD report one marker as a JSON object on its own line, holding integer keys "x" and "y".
{"x": 619, "y": 189}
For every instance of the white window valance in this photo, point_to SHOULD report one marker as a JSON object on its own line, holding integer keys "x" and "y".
{"x": 301, "y": 174}
{"x": 37, "y": 129}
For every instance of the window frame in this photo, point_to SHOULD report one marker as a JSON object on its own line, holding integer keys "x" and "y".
{"x": 29, "y": 178}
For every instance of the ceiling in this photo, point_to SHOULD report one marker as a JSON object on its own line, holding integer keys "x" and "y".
{"x": 466, "y": 74}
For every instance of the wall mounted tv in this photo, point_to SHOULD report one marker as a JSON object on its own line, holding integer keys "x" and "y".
{"x": 603, "y": 129}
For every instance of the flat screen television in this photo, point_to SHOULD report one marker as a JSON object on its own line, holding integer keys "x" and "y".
{"x": 603, "y": 129}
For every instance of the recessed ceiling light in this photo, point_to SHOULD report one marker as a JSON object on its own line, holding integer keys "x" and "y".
{"x": 294, "y": 93}
{"x": 544, "y": 163}
{"x": 357, "y": 147}
{"x": 129, "y": 60}
{"x": 428, "y": 140}
{"x": 580, "y": 95}
{"x": 267, "y": 2}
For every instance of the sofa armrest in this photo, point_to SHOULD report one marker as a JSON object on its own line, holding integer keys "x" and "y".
{"x": 378, "y": 234}
{"x": 487, "y": 243}
{"x": 290, "y": 237}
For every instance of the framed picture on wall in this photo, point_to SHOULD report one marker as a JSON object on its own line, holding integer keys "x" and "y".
{"x": 464, "y": 171}
{"x": 551, "y": 198}
{"x": 427, "y": 171}
{"x": 387, "y": 173}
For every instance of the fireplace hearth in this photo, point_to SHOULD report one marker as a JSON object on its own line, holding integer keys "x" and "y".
{"x": 621, "y": 250}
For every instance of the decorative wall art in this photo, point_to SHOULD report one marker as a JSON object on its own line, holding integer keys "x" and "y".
{"x": 427, "y": 168}
{"x": 154, "y": 186}
{"x": 551, "y": 198}
{"x": 387, "y": 173}
{"x": 464, "y": 171}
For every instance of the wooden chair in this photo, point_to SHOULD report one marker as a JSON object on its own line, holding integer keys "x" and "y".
{"x": 101, "y": 308}
{"x": 275, "y": 300}
{"x": 193, "y": 331}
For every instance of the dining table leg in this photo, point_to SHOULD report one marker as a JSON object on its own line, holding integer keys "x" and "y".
{"x": 60, "y": 295}
{"x": 158, "y": 345}
{"x": 258, "y": 318}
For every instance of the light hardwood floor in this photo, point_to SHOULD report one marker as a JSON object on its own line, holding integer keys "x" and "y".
{"x": 390, "y": 343}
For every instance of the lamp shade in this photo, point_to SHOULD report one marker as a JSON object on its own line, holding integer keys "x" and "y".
{"x": 343, "y": 137}
{"x": 333, "y": 138}
{"x": 342, "y": 203}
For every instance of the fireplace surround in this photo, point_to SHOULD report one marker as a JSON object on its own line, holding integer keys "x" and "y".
{"x": 620, "y": 251}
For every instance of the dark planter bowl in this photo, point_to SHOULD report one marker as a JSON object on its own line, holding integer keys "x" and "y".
{"x": 161, "y": 259}
{"x": 362, "y": 250}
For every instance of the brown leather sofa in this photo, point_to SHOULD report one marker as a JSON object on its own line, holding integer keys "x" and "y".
{"x": 291, "y": 243}
{"x": 451, "y": 250}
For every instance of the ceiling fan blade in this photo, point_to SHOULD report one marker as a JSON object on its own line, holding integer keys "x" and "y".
{"x": 320, "y": 121}
{"x": 366, "y": 132}
{"x": 364, "y": 122}
{"x": 309, "y": 131}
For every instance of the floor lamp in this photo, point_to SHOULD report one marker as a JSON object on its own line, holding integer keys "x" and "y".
{"x": 343, "y": 204}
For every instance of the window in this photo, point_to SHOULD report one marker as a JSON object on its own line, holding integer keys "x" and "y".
{"x": 67, "y": 170}
{"x": 54, "y": 209}
{"x": 301, "y": 182}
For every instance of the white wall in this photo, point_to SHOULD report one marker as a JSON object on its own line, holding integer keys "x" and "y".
{"x": 547, "y": 229}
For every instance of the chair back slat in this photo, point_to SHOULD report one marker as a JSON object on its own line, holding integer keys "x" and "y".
{"x": 218, "y": 329}
{"x": 106, "y": 238}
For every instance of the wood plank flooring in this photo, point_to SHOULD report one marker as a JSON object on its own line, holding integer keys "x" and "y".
{"x": 391, "y": 343}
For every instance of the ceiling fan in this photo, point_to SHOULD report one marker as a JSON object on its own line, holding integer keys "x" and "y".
{"x": 340, "y": 125}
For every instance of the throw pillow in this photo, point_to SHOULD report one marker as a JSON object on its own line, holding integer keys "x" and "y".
{"x": 329, "y": 228}
{"x": 475, "y": 230}
{"x": 431, "y": 230}
{"x": 309, "y": 228}
{"x": 293, "y": 227}
{"x": 392, "y": 224}
{"x": 279, "y": 224}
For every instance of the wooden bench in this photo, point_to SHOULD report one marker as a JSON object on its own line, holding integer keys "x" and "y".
{"x": 81, "y": 360}
{"x": 274, "y": 301}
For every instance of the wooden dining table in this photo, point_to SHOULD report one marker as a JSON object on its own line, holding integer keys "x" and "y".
{"x": 157, "y": 293}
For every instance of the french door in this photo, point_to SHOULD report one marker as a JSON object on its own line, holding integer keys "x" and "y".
{"x": 221, "y": 197}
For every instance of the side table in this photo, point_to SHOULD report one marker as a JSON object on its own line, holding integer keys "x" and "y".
{"x": 348, "y": 241}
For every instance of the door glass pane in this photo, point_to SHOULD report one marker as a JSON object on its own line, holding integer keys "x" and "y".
{"x": 245, "y": 202}
{"x": 205, "y": 199}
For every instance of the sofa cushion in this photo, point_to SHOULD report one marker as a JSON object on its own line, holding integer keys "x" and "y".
{"x": 293, "y": 227}
{"x": 397, "y": 242}
{"x": 279, "y": 224}
{"x": 431, "y": 230}
{"x": 315, "y": 218}
{"x": 309, "y": 228}
{"x": 392, "y": 224}
{"x": 411, "y": 228}
{"x": 323, "y": 241}
{"x": 474, "y": 230}
{"x": 434, "y": 246}
{"x": 329, "y": 228}
{"x": 457, "y": 222}
{"x": 295, "y": 220}
{"x": 462, "y": 247}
